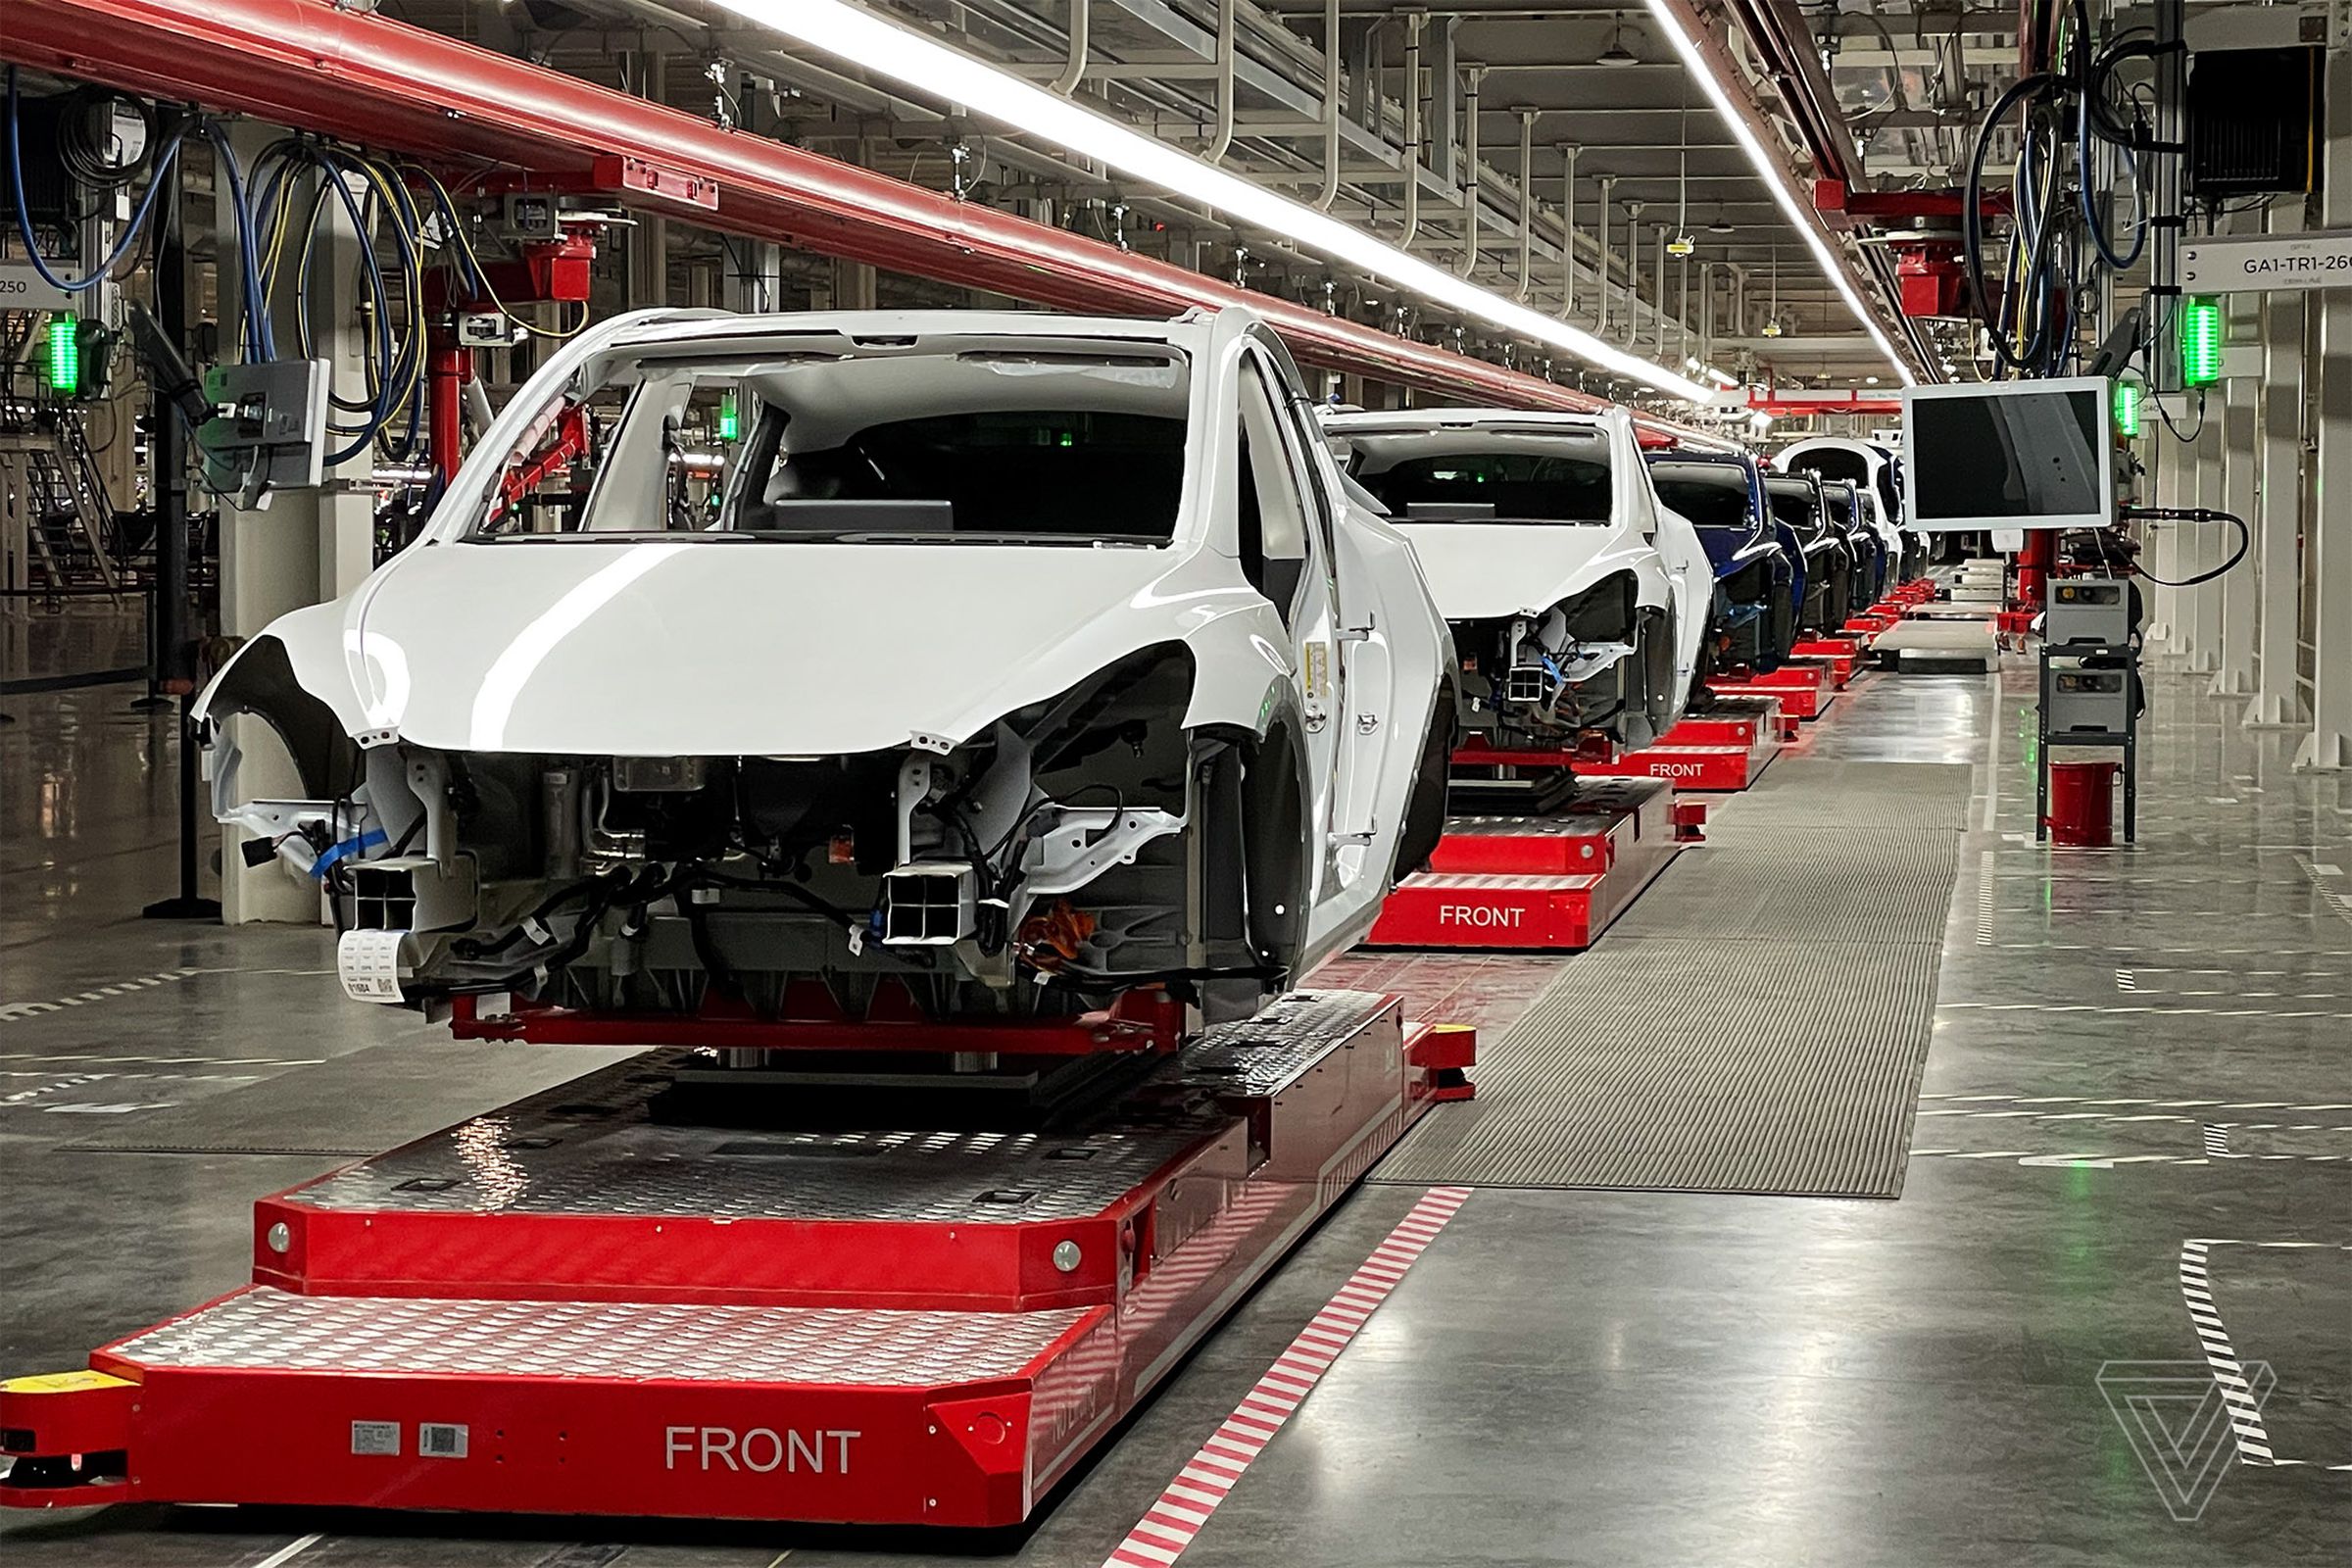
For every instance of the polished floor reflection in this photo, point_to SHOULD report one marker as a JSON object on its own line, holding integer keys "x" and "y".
{"x": 2135, "y": 1050}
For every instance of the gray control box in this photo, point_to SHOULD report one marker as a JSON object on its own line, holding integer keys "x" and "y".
{"x": 2089, "y": 700}
{"x": 2087, "y": 609}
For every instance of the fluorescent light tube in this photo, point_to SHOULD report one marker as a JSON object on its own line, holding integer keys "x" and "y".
{"x": 918, "y": 61}
{"x": 1775, "y": 176}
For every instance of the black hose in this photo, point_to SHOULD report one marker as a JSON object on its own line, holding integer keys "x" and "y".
{"x": 1972, "y": 226}
{"x": 2245, "y": 538}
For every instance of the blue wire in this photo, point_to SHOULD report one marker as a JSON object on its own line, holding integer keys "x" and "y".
{"x": 261, "y": 343}
{"x": 138, "y": 219}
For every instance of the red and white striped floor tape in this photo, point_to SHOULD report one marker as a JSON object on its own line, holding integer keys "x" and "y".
{"x": 1169, "y": 1525}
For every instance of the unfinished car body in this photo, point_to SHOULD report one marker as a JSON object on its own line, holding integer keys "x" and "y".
{"x": 1579, "y": 604}
{"x": 1829, "y": 558}
{"x": 1754, "y": 617}
{"x": 1874, "y": 566}
{"x": 1875, "y": 473}
{"x": 948, "y": 666}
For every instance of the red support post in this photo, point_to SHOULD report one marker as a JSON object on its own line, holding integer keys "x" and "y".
{"x": 448, "y": 366}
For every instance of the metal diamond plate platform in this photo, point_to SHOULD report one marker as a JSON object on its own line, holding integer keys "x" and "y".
{"x": 589, "y": 1148}
{"x": 264, "y": 1329}
{"x": 1268, "y": 1054}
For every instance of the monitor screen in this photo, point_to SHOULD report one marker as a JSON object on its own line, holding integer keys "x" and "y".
{"x": 2018, "y": 455}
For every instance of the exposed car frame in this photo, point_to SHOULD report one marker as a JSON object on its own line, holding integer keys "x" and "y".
{"x": 1566, "y": 626}
{"x": 805, "y": 746}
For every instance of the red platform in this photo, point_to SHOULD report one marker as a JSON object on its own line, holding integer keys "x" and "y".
{"x": 1842, "y": 654}
{"x": 1711, "y": 768}
{"x": 1803, "y": 689}
{"x": 572, "y": 1306}
{"x": 1551, "y": 882}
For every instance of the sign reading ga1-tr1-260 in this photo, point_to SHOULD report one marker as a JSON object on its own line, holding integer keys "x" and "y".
{"x": 2261, "y": 261}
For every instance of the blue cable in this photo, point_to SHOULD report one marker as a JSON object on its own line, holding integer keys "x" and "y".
{"x": 164, "y": 160}
{"x": 260, "y": 342}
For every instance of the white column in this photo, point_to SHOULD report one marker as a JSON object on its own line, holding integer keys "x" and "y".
{"x": 2278, "y": 501}
{"x": 2164, "y": 457}
{"x": 2201, "y": 606}
{"x": 2330, "y": 744}
{"x": 2233, "y": 673}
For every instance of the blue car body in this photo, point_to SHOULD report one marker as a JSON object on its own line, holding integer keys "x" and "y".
{"x": 1759, "y": 577}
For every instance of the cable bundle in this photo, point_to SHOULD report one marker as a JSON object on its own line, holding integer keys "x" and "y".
{"x": 2056, "y": 253}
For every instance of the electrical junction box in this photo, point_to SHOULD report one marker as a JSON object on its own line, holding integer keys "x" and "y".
{"x": 485, "y": 329}
{"x": 2087, "y": 609}
{"x": 2091, "y": 701}
{"x": 269, "y": 427}
{"x": 529, "y": 215}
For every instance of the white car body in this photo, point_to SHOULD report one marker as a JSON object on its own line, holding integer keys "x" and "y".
{"x": 1520, "y": 572}
{"x": 823, "y": 618}
{"x": 1872, "y": 469}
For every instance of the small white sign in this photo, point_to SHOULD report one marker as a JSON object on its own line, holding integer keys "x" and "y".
{"x": 24, "y": 289}
{"x": 2260, "y": 263}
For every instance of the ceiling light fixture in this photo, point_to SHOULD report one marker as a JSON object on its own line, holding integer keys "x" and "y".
{"x": 1776, "y": 179}
{"x": 1617, "y": 54}
{"x": 916, "y": 60}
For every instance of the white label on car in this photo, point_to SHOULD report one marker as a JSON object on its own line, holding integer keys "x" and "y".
{"x": 368, "y": 962}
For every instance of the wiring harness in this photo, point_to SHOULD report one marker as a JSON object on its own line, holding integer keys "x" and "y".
{"x": 283, "y": 202}
{"x": 2080, "y": 128}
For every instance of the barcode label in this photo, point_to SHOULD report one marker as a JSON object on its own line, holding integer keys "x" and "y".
{"x": 436, "y": 1439}
{"x": 375, "y": 1437}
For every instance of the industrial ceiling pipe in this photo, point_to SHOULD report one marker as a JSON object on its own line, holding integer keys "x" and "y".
{"x": 1527, "y": 202}
{"x": 1412, "y": 129}
{"x": 1632, "y": 275}
{"x": 1469, "y": 262}
{"x": 1568, "y": 152}
{"x": 385, "y": 85}
{"x": 1223, "y": 143}
{"x": 1075, "y": 69}
{"x": 1600, "y": 320}
{"x": 1331, "y": 106}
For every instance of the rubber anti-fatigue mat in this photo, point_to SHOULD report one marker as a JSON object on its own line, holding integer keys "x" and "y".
{"x": 1727, "y": 1037}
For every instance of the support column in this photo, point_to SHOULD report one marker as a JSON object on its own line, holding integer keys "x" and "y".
{"x": 649, "y": 238}
{"x": 2330, "y": 744}
{"x": 2233, "y": 673}
{"x": 753, "y": 277}
{"x": 2278, "y": 504}
{"x": 305, "y": 547}
{"x": 2166, "y": 459}
{"x": 2201, "y": 606}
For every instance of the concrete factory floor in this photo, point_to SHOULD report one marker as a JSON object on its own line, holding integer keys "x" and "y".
{"x": 2134, "y": 1049}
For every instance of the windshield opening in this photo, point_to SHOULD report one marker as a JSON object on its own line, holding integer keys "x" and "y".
{"x": 1562, "y": 478}
{"x": 1792, "y": 503}
{"x": 1712, "y": 495}
{"x": 956, "y": 440}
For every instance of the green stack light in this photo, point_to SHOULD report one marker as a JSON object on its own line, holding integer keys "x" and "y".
{"x": 2127, "y": 408}
{"x": 64, "y": 358}
{"x": 727, "y": 422}
{"x": 2200, "y": 342}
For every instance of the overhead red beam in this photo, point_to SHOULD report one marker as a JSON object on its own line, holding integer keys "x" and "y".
{"x": 382, "y": 83}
